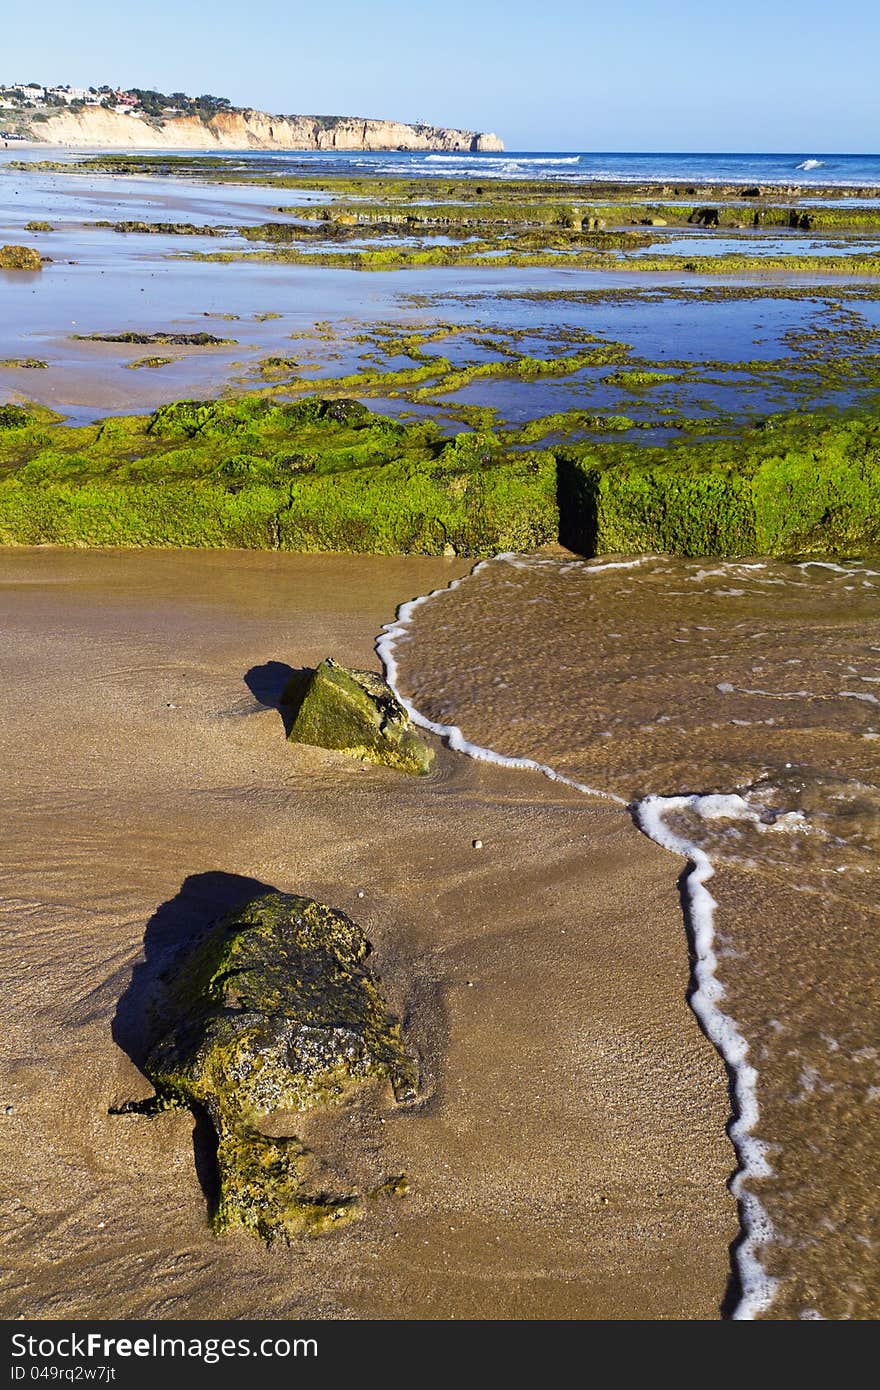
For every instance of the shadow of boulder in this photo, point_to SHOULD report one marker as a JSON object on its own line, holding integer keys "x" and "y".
{"x": 279, "y": 686}
{"x": 171, "y": 933}
{"x": 141, "y": 1018}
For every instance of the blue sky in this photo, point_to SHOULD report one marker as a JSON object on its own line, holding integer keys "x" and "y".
{"x": 693, "y": 75}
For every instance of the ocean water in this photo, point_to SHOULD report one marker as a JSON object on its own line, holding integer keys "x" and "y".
{"x": 796, "y": 167}
{"x": 733, "y": 711}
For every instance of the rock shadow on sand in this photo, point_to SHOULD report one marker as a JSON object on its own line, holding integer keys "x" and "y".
{"x": 273, "y": 685}
{"x": 141, "y": 1013}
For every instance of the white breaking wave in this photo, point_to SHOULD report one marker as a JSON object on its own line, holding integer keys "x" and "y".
{"x": 838, "y": 569}
{"x": 385, "y": 648}
{"x": 809, "y": 164}
{"x": 757, "y": 1287}
{"x": 502, "y": 159}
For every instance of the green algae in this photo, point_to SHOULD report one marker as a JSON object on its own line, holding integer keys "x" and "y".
{"x": 833, "y": 350}
{"x": 582, "y": 206}
{"x": 737, "y": 292}
{"x": 638, "y": 378}
{"x": 150, "y": 362}
{"x": 433, "y": 375}
{"x": 484, "y": 253}
{"x": 312, "y": 475}
{"x": 379, "y": 379}
{"x": 27, "y": 421}
{"x": 15, "y": 417}
{"x": 520, "y": 236}
{"x": 275, "y": 1012}
{"x": 573, "y": 422}
{"x": 37, "y": 226}
{"x": 160, "y": 339}
{"x": 138, "y": 227}
{"x": 537, "y": 230}
{"x": 577, "y": 215}
{"x": 799, "y": 484}
{"x": 285, "y": 469}
{"x": 740, "y": 263}
{"x": 323, "y": 474}
{"x": 270, "y": 365}
{"x": 585, "y": 226}
{"x": 357, "y": 713}
{"x": 526, "y": 368}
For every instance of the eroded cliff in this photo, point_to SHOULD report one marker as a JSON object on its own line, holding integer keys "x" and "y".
{"x": 238, "y": 130}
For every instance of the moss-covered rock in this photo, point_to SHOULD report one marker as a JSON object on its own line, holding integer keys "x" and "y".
{"x": 14, "y": 417}
{"x": 20, "y": 258}
{"x": 357, "y": 713}
{"x": 163, "y": 339}
{"x": 327, "y": 474}
{"x": 793, "y": 485}
{"x": 275, "y": 1012}
{"x": 311, "y": 475}
{"x": 151, "y": 362}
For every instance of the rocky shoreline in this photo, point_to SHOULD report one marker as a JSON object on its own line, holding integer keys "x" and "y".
{"x": 324, "y": 474}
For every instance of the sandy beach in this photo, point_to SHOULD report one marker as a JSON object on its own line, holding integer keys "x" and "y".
{"x": 643, "y": 393}
{"x": 568, "y": 1157}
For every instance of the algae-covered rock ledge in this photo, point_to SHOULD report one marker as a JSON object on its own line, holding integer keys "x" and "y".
{"x": 313, "y": 475}
{"x": 330, "y": 475}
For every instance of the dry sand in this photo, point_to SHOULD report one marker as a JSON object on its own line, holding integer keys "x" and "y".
{"x": 569, "y": 1157}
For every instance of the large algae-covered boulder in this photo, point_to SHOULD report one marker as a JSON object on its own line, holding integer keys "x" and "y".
{"x": 275, "y": 1012}
{"x": 355, "y": 712}
{"x": 20, "y": 258}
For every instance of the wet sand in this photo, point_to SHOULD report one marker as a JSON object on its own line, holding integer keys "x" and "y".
{"x": 665, "y": 676}
{"x": 568, "y": 1158}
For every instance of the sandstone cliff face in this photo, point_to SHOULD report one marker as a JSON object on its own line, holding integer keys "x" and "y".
{"x": 242, "y": 130}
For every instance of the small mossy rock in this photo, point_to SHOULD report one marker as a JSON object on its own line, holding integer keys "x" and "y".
{"x": 20, "y": 258}
{"x": 355, "y": 712}
{"x": 14, "y": 417}
{"x": 275, "y": 1011}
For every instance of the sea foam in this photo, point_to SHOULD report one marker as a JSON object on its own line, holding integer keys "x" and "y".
{"x": 502, "y": 159}
{"x": 757, "y": 1287}
{"x": 386, "y": 648}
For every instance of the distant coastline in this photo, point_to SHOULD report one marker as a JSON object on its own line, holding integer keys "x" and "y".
{"x": 138, "y": 119}
{"x": 94, "y": 127}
